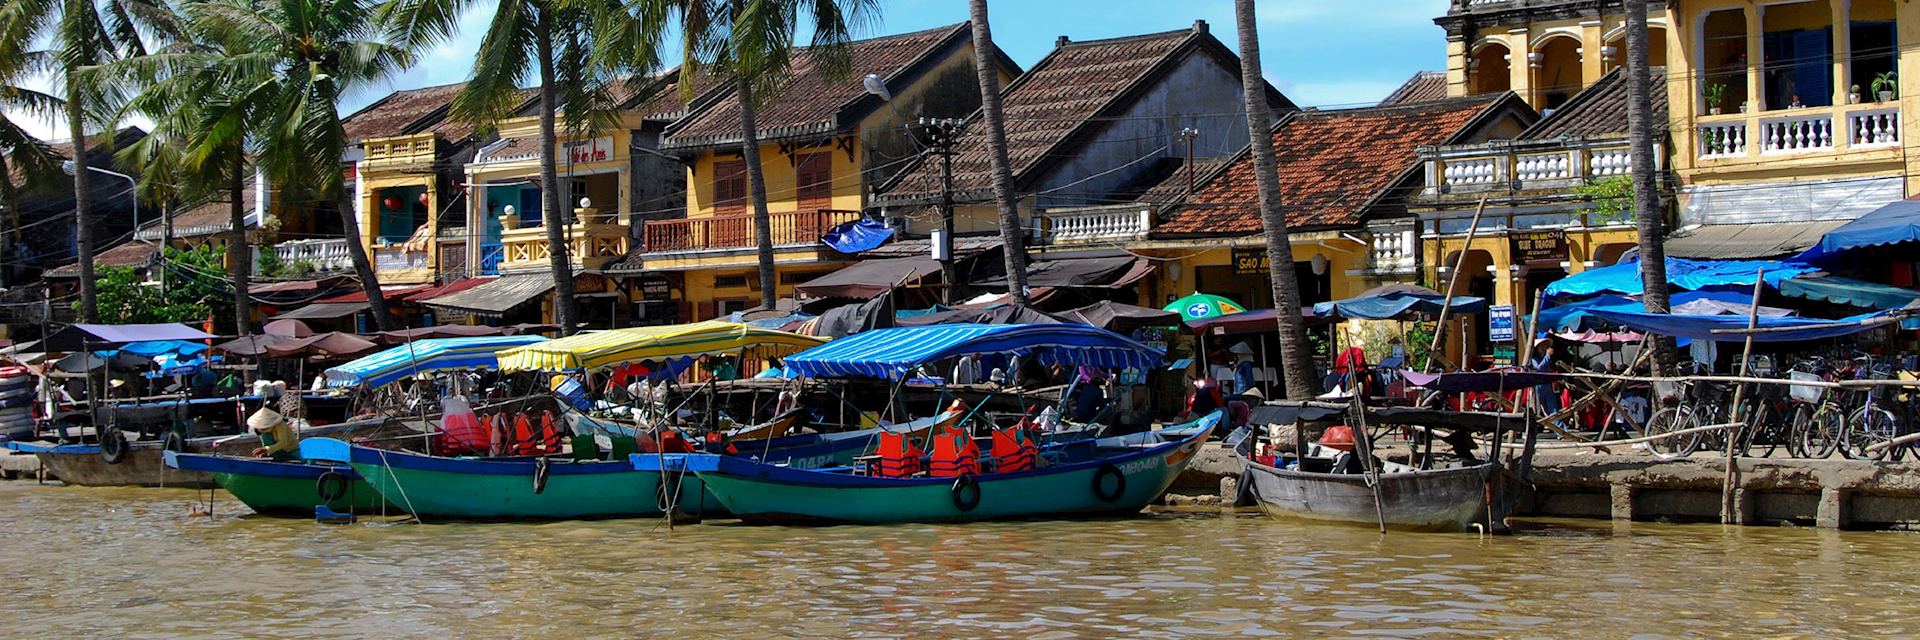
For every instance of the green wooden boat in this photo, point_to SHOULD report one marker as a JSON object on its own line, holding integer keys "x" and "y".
{"x": 286, "y": 488}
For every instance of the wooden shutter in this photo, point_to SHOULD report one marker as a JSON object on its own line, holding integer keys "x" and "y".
{"x": 814, "y": 181}
{"x": 729, "y": 186}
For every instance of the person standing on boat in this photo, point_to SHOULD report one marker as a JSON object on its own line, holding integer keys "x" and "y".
{"x": 276, "y": 437}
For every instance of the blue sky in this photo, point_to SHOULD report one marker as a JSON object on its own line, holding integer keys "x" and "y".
{"x": 1325, "y": 53}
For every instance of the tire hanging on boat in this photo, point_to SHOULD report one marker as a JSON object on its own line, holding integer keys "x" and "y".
{"x": 540, "y": 466}
{"x": 174, "y": 442}
{"x": 1100, "y": 484}
{"x": 965, "y": 492}
{"x": 113, "y": 447}
{"x": 331, "y": 486}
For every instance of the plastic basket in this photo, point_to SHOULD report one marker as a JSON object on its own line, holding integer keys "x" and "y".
{"x": 1804, "y": 392}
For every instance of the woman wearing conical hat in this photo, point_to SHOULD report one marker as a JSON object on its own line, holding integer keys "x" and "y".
{"x": 276, "y": 437}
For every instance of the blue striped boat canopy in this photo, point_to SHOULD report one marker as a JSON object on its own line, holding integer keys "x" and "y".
{"x": 432, "y": 354}
{"x": 890, "y": 353}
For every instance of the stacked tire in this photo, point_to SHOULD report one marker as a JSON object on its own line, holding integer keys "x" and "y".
{"x": 16, "y": 402}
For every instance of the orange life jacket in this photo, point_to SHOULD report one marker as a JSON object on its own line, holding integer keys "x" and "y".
{"x": 528, "y": 442}
{"x": 954, "y": 454}
{"x": 1015, "y": 449}
{"x": 717, "y": 443}
{"x": 898, "y": 457}
{"x": 673, "y": 442}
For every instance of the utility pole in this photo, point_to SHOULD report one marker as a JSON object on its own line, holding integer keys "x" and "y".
{"x": 1189, "y": 134}
{"x": 942, "y": 135}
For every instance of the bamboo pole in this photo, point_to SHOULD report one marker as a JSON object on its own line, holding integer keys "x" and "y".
{"x": 1453, "y": 280}
{"x": 1365, "y": 440}
{"x": 1532, "y": 436}
{"x": 1727, "y": 515}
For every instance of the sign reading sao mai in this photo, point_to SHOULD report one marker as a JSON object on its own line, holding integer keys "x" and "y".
{"x": 582, "y": 151}
{"x": 1250, "y": 262}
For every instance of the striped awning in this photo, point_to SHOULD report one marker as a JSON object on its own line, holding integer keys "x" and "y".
{"x": 606, "y": 349}
{"x": 890, "y": 353}
{"x": 430, "y": 354}
{"x": 497, "y": 296}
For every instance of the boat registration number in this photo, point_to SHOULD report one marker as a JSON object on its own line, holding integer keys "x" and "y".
{"x": 1137, "y": 466}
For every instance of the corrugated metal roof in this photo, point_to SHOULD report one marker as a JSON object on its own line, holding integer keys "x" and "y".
{"x": 323, "y": 311}
{"x": 498, "y": 296}
{"x": 1749, "y": 241}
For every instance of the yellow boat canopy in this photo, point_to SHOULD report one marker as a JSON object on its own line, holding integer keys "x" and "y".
{"x": 607, "y": 349}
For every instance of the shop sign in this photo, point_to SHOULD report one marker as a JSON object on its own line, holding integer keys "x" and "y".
{"x": 1500, "y": 323}
{"x": 1538, "y": 248}
{"x": 1250, "y": 261}
{"x": 655, "y": 289}
{"x": 583, "y": 151}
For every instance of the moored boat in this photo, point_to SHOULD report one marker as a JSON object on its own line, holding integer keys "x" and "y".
{"x": 1430, "y": 500}
{"x": 142, "y": 463}
{"x": 285, "y": 488}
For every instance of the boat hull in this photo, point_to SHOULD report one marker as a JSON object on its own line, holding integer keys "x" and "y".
{"x": 282, "y": 488}
{"x": 763, "y": 493}
{"x": 145, "y": 463}
{"x": 1432, "y": 500}
{"x": 503, "y": 488}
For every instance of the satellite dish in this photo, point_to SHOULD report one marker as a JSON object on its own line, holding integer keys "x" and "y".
{"x": 877, "y": 87}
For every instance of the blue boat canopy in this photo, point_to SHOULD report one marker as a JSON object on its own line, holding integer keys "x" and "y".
{"x": 1732, "y": 327}
{"x": 1896, "y": 222}
{"x": 1624, "y": 278}
{"x": 1848, "y": 291}
{"x": 891, "y": 353}
{"x": 432, "y": 354}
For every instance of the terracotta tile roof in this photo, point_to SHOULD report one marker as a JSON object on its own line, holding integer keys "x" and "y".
{"x": 206, "y": 218}
{"x": 1600, "y": 110}
{"x": 1423, "y": 86}
{"x": 138, "y": 255}
{"x": 663, "y": 100}
{"x": 1333, "y": 165}
{"x": 809, "y": 104}
{"x": 410, "y": 111}
{"x": 1061, "y": 96}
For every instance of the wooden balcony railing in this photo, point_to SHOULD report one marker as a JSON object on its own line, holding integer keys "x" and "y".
{"x": 736, "y": 231}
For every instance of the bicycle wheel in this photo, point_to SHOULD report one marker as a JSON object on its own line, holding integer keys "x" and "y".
{"x": 1867, "y": 427}
{"x": 1663, "y": 424}
{"x": 1818, "y": 430}
{"x": 1762, "y": 432}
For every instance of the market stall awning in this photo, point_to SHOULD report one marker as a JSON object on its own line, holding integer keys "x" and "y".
{"x": 450, "y": 288}
{"x": 1683, "y": 273}
{"x": 1108, "y": 272}
{"x": 1117, "y": 316}
{"x": 1748, "y": 241}
{"x": 871, "y": 278}
{"x": 1578, "y": 315}
{"x": 329, "y": 344}
{"x": 1398, "y": 306}
{"x": 323, "y": 311}
{"x": 1894, "y": 223}
{"x": 1848, "y": 291}
{"x": 252, "y": 345}
{"x": 1257, "y": 321}
{"x": 391, "y": 293}
{"x": 424, "y": 355}
{"x": 1731, "y": 328}
{"x": 889, "y": 353}
{"x": 82, "y": 336}
{"x": 498, "y": 296}
{"x": 442, "y": 331}
{"x": 606, "y": 349}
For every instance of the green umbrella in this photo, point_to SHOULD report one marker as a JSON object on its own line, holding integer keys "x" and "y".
{"x": 1204, "y": 305}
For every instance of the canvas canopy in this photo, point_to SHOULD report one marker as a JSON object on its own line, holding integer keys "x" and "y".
{"x": 1624, "y": 278}
{"x": 1848, "y": 291}
{"x": 1894, "y": 223}
{"x": 425, "y": 355}
{"x": 606, "y": 349}
{"x": 1729, "y": 328}
{"x": 83, "y": 336}
{"x": 1398, "y": 302}
{"x": 891, "y": 353}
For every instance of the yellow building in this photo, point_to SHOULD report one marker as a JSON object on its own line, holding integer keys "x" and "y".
{"x": 1544, "y": 51}
{"x": 824, "y": 143}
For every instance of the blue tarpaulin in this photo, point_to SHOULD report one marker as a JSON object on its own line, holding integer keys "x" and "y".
{"x": 1848, "y": 291}
{"x": 865, "y": 234}
{"x": 1894, "y": 223}
{"x": 1579, "y": 316}
{"x": 1787, "y": 329}
{"x": 432, "y": 354}
{"x": 154, "y": 348}
{"x": 1681, "y": 272}
{"x": 890, "y": 353}
{"x": 1396, "y": 305}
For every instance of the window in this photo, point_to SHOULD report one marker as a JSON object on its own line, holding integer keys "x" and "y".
{"x": 813, "y": 179}
{"x": 1798, "y": 48}
{"x": 730, "y": 185}
{"x": 729, "y": 282}
{"x": 1724, "y": 59}
{"x": 1871, "y": 44}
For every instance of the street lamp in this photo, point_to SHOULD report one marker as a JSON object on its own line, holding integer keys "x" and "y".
{"x": 133, "y": 187}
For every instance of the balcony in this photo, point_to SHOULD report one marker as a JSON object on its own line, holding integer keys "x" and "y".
{"x": 594, "y": 239}
{"x": 1095, "y": 224}
{"x": 1795, "y": 132}
{"x": 326, "y": 256}
{"x": 1527, "y": 165}
{"x": 736, "y": 231}
{"x": 491, "y": 254}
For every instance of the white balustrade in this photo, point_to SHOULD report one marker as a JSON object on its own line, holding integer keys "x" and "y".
{"x": 1873, "y": 128}
{"x": 1797, "y": 133}
{"x": 1098, "y": 224}
{"x": 1470, "y": 171}
{"x": 1392, "y": 250}
{"x": 1723, "y": 140}
{"x": 324, "y": 255}
{"x": 1609, "y": 162}
{"x": 1549, "y": 166}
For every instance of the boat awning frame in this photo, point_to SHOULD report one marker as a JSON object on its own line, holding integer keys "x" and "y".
{"x": 600, "y": 350}
{"x": 426, "y": 355}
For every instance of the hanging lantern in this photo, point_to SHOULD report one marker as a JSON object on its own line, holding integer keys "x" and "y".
{"x": 423, "y": 199}
{"x": 392, "y": 203}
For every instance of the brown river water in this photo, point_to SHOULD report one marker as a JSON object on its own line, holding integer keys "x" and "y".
{"x": 83, "y": 562}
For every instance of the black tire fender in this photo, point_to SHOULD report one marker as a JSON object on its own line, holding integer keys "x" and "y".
{"x": 540, "y": 468}
{"x": 331, "y": 486}
{"x": 965, "y": 492}
{"x": 1100, "y": 484}
{"x": 113, "y": 447}
{"x": 174, "y": 442}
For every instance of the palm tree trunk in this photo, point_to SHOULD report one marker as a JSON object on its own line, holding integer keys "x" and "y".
{"x": 237, "y": 247}
{"x": 1294, "y": 359}
{"x": 82, "y": 203}
{"x": 1012, "y": 235}
{"x": 362, "y": 266}
{"x": 757, "y": 191}
{"x": 1648, "y": 214}
{"x": 563, "y": 304}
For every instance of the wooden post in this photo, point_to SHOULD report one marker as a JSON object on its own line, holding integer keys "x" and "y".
{"x": 1533, "y": 426}
{"x": 1728, "y": 513}
{"x": 1365, "y": 441}
{"x": 1453, "y": 280}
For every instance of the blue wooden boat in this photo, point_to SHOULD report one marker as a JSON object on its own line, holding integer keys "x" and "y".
{"x": 1117, "y": 475}
{"x": 140, "y": 463}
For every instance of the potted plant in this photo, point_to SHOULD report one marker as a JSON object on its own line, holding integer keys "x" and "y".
{"x": 1853, "y": 95}
{"x": 1886, "y": 86}
{"x": 1715, "y": 93}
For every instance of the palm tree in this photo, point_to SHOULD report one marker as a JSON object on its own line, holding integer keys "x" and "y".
{"x": 290, "y": 62}
{"x": 1012, "y": 239}
{"x": 1647, "y": 213}
{"x": 1294, "y": 359}
{"x": 546, "y": 39}
{"x": 80, "y": 34}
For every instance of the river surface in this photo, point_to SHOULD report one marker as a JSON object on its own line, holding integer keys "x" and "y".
{"x": 91, "y": 562}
